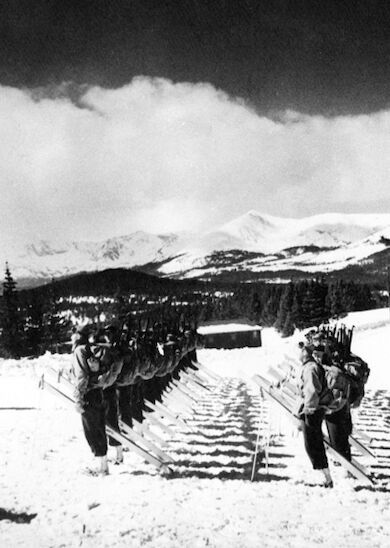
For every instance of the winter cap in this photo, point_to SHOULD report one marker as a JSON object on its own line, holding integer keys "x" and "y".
{"x": 305, "y": 355}
{"x": 84, "y": 329}
{"x": 318, "y": 353}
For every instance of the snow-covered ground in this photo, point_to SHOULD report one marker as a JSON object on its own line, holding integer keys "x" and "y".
{"x": 209, "y": 500}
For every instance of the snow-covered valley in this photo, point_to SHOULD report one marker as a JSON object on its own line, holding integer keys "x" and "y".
{"x": 209, "y": 499}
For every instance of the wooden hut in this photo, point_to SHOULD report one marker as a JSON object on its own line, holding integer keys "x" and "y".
{"x": 230, "y": 334}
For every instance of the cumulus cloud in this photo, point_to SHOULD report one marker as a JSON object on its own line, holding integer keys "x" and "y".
{"x": 160, "y": 156}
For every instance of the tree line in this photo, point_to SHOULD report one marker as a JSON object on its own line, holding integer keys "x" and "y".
{"x": 310, "y": 303}
{"x": 41, "y": 319}
{"x": 295, "y": 305}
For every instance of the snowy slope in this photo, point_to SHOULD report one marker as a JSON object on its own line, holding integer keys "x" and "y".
{"x": 252, "y": 242}
{"x": 210, "y": 501}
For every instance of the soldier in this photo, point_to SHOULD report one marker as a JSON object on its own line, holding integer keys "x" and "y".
{"x": 89, "y": 397}
{"x": 311, "y": 411}
{"x": 113, "y": 359}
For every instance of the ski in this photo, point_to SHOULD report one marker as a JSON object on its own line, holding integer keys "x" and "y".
{"x": 200, "y": 377}
{"x": 193, "y": 379}
{"x": 193, "y": 385}
{"x": 178, "y": 386}
{"x": 180, "y": 394}
{"x": 162, "y": 411}
{"x": 141, "y": 429}
{"x": 366, "y": 437}
{"x": 206, "y": 371}
{"x": 140, "y": 440}
{"x": 149, "y": 417}
{"x": 176, "y": 404}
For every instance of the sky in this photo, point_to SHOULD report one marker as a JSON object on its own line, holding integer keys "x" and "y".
{"x": 164, "y": 116}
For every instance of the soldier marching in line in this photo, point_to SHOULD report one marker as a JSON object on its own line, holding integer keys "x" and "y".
{"x": 116, "y": 372}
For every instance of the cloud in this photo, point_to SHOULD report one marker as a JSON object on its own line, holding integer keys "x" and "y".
{"x": 163, "y": 156}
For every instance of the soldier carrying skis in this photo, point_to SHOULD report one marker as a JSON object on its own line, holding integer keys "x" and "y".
{"x": 311, "y": 411}
{"x": 89, "y": 398}
{"x": 95, "y": 367}
{"x": 332, "y": 381}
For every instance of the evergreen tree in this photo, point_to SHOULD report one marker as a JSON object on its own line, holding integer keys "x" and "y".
{"x": 288, "y": 326}
{"x": 34, "y": 325}
{"x": 208, "y": 309}
{"x": 255, "y": 308}
{"x": 296, "y": 314}
{"x": 121, "y": 307}
{"x": 348, "y": 297}
{"x": 11, "y": 320}
{"x": 53, "y": 324}
{"x": 314, "y": 307}
{"x": 271, "y": 306}
{"x": 285, "y": 306}
{"x": 335, "y": 301}
{"x": 364, "y": 299}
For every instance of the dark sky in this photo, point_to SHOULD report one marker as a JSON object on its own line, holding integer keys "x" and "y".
{"x": 323, "y": 56}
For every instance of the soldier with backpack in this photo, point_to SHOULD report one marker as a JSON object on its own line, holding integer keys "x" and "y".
{"x": 89, "y": 397}
{"x": 345, "y": 376}
{"x": 311, "y": 411}
{"x": 96, "y": 366}
{"x": 337, "y": 415}
{"x": 112, "y": 359}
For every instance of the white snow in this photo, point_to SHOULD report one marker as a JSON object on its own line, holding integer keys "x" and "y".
{"x": 210, "y": 500}
{"x": 351, "y": 238}
{"x": 226, "y": 328}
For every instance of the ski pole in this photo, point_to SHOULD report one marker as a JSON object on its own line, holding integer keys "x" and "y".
{"x": 257, "y": 438}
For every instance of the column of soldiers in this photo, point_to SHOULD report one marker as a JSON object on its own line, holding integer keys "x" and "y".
{"x": 117, "y": 370}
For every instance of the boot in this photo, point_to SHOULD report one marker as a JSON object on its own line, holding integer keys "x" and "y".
{"x": 119, "y": 454}
{"x": 328, "y": 482}
{"x": 103, "y": 469}
{"x": 99, "y": 467}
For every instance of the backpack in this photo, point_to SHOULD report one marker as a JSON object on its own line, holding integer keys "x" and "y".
{"x": 357, "y": 372}
{"x": 337, "y": 388}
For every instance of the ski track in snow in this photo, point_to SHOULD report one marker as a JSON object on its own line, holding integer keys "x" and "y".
{"x": 209, "y": 499}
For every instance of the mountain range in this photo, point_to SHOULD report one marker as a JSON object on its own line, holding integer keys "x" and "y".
{"x": 251, "y": 244}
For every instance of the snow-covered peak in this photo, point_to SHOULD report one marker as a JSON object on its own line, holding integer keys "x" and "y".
{"x": 269, "y": 234}
{"x": 253, "y": 226}
{"x": 260, "y": 242}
